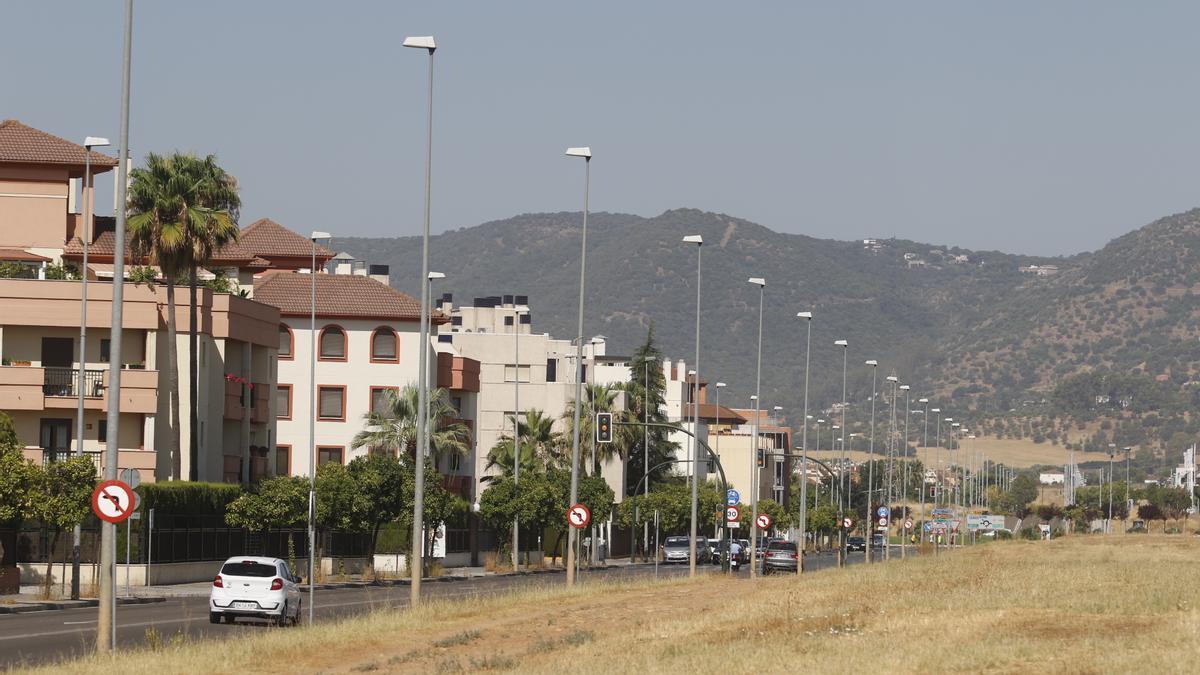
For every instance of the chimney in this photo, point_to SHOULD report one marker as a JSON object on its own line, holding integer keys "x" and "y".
{"x": 680, "y": 370}
{"x": 343, "y": 263}
{"x": 379, "y": 273}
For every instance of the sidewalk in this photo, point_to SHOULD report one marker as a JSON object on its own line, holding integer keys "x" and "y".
{"x": 29, "y": 600}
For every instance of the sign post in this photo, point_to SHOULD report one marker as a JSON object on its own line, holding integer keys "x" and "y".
{"x": 112, "y": 502}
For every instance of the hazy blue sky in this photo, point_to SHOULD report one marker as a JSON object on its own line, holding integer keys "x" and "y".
{"x": 1023, "y": 126}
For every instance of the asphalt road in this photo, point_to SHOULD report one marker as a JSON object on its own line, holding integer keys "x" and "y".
{"x": 46, "y": 637}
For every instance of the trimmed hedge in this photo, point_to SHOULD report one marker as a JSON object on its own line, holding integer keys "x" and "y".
{"x": 185, "y": 498}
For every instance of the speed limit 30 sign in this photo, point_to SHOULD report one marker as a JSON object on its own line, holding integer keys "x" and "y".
{"x": 732, "y": 513}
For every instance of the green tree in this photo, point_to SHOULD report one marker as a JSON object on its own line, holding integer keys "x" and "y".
{"x": 16, "y": 474}
{"x": 275, "y": 502}
{"x": 646, "y": 401}
{"x": 541, "y": 447}
{"x": 394, "y": 429}
{"x": 60, "y": 496}
{"x": 380, "y": 479}
{"x": 598, "y": 398}
{"x": 179, "y": 206}
{"x": 1015, "y": 501}
{"x": 538, "y": 503}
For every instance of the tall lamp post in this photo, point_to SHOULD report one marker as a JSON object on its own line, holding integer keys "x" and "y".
{"x": 87, "y": 194}
{"x": 106, "y": 621}
{"x": 417, "y": 565}
{"x": 312, "y": 424}
{"x": 843, "y": 500}
{"x": 755, "y": 476}
{"x": 871, "y": 458}
{"x": 517, "y": 313}
{"x": 717, "y": 437}
{"x": 904, "y": 484}
{"x": 699, "y": 242}
{"x": 1112, "y": 450}
{"x": 1128, "y": 506}
{"x": 925, "y": 447}
{"x": 807, "y": 316}
{"x": 586, "y": 154}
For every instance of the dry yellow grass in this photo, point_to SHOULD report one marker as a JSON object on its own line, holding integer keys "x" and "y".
{"x": 1074, "y": 605}
{"x": 1010, "y": 452}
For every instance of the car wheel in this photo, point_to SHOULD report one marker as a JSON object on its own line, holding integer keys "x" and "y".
{"x": 214, "y": 617}
{"x": 282, "y": 620}
{"x": 299, "y": 610}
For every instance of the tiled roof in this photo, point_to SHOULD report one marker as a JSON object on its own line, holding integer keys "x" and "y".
{"x": 230, "y": 254}
{"x": 708, "y": 411}
{"x": 338, "y": 295}
{"x": 17, "y": 255}
{"x": 21, "y": 144}
{"x": 268, "y": 239}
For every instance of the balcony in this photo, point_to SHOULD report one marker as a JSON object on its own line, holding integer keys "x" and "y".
{"x": 51, "y": 456}
{"x": 60, "y": 382}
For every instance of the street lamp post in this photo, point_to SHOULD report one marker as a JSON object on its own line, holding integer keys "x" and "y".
{"x": 755, "y": 477}
{"x": 843, "y": 500}
{"x": 516, "y": 540}
{"x": 904, "y": 485}
{"x": 717, "y": 433}
{"x": 1128, "y": 508}
{"x": 871, "y": 458}
{"x": 807, "y": 316}
{"x": 417, "y": 562}
{"x": 1112, "y": 449}
{"x": 586, "y": 154}
{"x": 312, "y": 424}
{"x": 699, "y": 242}
{"x": 925, "y": 447}
{"x": 86, "y": 194}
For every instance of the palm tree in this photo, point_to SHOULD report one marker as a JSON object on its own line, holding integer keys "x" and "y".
{"x": 600, "y": 398}
{"x": 395, "y": 428}
{"x": 175, "y": 202}
{"x": 541, "y": 447}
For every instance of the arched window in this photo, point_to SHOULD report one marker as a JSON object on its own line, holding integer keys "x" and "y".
{"x": 385, "y": 345}
{"x": 333, "y": 344}
{"x": 285, "y": 342}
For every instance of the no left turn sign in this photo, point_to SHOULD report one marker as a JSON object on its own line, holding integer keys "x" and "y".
{"x": 764, "y": 521}
{"x": 847, "y": 522}
{"x": 113, "y": 501}
{"x": 908, "y": 524}
{"x": 579, "y": 516}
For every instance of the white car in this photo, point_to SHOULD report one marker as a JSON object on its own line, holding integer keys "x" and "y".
{"x": 251, "y": 586}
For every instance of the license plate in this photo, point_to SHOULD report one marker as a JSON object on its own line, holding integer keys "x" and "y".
{"x": 245, "y": 605}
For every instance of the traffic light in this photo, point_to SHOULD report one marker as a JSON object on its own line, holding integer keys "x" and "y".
{"x": 604, "y": 427}
{"x": 761, "y": 459}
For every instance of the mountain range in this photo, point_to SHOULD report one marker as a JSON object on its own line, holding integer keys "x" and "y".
{"x": 965, "y": 327}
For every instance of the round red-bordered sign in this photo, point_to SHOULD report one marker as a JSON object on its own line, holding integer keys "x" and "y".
{"x": 732, "y": 513}
{"x": 113, "y": 501}
{"x": 764, "y": 521}
{"x": 579, "y": 516}
{"x": 847, "y": 522}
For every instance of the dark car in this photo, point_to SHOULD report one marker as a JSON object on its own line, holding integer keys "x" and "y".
{"x": 780, "y": 556}
{"x": 856, "y": 544}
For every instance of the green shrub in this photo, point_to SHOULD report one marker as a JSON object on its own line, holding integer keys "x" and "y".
{"x": 186, "y": 498}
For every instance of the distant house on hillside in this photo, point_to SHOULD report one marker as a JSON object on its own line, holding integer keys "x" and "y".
{"x": 872, "y": 245}
{"x": 1039, "y": 270}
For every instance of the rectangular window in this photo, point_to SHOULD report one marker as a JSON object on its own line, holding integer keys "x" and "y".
{"x": 552, "y": 370}
{"x": 508, "y": 321}
{"x": 283, "y": 402}
{"x": 105, "y": 349}
{"x": 456, "y": 321}
{"x": 329, "y": 453}
{"x": 285, "y": 342}
{"x": 379, "y": 398}
{"x": 456, "y": 401}
{"x": 102, "y": 431}
{"x": 331, "y": 403}
{"x": 283, "y": 460}
{"x": 512, "y": 372}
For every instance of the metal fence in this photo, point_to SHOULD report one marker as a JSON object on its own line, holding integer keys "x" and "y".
{"x": 63, "y": 381}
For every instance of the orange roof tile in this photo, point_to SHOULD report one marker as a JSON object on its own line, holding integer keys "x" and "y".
{"x": 267, "y": 239}
{"x": 17, "y": 255}
{"x": 338, "y": 295}
{"x": 105, "y": 245}
{"x": 21, "y": 144}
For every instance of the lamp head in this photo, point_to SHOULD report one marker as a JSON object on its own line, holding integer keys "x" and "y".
{"x": 892, "y": 378}
{"x": 436, "y": 275}
{"x": 922, "y": 400}
{"x": 693, "y": 239}
{"x": 753, "y": 397}
{"x": 873, "y": 363}
{"x": 584, "y": 152}
{"x": 720, "y": 385}
{"x": 321, "y": 235}
{"x": 935, "y": 410}
{"x": 841, "y": 343}
{"x": 95, "y": 142}
{"x": 804, "y": 315}
{"x": 757, "y": 281}
{"x": 904, "y": 387}
{"x": 420, "y": 42}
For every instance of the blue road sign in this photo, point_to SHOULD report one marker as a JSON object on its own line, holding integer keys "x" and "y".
{"x": 732, "y": 497}
{"x": 883, "y": 512}
{"x": 929, "y": 527}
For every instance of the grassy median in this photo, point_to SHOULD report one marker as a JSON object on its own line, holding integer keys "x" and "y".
{"x": 1077, "y": 605}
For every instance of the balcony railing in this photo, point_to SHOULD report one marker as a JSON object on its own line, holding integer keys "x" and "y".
{"x": 63, "y": 382}
{"x": 51, "y": 456}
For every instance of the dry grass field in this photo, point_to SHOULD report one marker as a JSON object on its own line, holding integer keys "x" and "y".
{"x": 1075, "y": 605}
{"x": 1015, "y": 453}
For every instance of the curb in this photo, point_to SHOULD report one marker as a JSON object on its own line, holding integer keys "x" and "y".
{"x": 26, "y": 607}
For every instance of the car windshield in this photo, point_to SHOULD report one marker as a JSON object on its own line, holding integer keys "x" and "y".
{"x": 248, "y": 568}
{"x": 677, "y": 541}
{"x": 782, "y": 546}
{"x": 855, "y": 540}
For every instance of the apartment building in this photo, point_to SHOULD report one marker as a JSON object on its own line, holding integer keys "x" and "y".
{"x": 738, "y": 450}
{"x": 521, "y": 369}
{"x": 39, "y": 335}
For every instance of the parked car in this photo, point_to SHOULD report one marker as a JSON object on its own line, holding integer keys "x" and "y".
{"x": 250, "y": 586}
{"x": 878, "y": 541}
{"x": 677, "y": 550}
{"x": 780, "y": 556}
{"x": 856, "y": 544}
